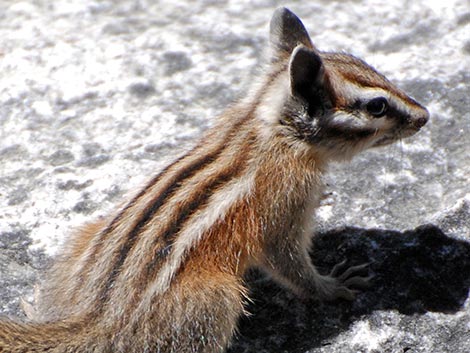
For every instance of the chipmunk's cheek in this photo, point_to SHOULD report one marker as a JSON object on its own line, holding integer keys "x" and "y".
{"x": 395, "y": 129}
{"x": 385, "y": 132}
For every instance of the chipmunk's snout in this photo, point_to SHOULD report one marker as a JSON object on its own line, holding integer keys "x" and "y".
{"x": 420, "y": 119}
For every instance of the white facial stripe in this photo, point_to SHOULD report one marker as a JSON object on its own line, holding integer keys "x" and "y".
{"x": 346, "y": 121}
{"x": 352, "y": 93}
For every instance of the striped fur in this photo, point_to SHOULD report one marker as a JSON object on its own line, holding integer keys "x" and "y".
{"x": 165, "y": 273}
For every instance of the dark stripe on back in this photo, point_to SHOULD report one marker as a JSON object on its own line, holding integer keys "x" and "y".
{"x": 111, "y": 227}
{"x": 134, "y": 201}
{"x": 103, "y": 235}
{"x": 197, "y": 202}
{"x": 164, "y": 240}
{"x": 150, "y": 212}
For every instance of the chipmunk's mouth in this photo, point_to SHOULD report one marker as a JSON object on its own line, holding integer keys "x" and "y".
{"x": 395, "y": 135}
{"x": 384, "y": 141}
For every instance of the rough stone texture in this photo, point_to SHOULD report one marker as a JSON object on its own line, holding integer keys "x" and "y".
{"x": 97, "y": 95}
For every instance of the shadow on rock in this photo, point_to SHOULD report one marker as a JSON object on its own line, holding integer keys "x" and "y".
{"x": 415, "y": 272}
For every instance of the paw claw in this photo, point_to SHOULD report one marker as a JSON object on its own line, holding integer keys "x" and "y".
{"x": 353, "y": 270}
{"x": 338, "y": 268}
{"x": 346, "y": 282}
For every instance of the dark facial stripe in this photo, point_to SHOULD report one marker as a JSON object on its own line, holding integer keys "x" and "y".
{"x": 400, "y": 117}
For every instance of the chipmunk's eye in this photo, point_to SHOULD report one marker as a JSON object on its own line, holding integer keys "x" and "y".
{"x": 377, "y": 107}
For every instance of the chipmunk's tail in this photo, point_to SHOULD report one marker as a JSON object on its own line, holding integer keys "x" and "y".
{"x": 57, "y": 337}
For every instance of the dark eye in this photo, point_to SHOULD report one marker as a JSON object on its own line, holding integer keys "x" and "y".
{"x": 377, "y": 107}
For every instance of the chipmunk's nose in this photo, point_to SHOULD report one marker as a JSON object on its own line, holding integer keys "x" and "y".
{"x": 421, "y": 119}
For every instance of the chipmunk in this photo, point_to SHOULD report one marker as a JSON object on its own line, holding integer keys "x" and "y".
{"x": 166, "y": 272}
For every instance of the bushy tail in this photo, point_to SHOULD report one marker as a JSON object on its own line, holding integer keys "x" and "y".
{"x": 57, "y": 337}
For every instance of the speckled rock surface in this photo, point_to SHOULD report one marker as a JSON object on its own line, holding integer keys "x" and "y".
{"x": 98, "y": 95}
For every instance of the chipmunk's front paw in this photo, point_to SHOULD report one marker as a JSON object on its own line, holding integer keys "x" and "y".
{"x": 344, "y": 282}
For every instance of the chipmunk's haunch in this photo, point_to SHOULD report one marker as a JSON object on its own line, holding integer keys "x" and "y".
{"x": 165, "y": 274}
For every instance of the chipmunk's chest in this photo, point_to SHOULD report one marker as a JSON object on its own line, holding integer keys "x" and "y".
{"x": 294, "y": 209}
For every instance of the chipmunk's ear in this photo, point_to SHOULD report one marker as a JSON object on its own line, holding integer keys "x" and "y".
{"x": 307, "y": 76}
{"x": 287, "y": 32}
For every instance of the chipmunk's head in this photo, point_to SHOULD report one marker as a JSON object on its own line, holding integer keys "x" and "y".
{"x": 334, "y": 101}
